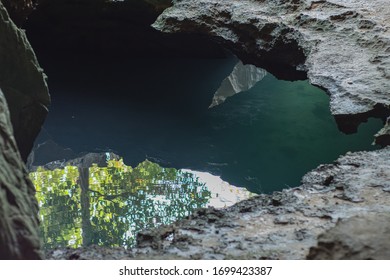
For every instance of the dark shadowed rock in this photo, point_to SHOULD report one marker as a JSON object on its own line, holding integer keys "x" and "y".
{"x": 18, "y": 207}
{"x": 361, "y": 237}
{"x": 23, "y": 106}
{"x": 23, "y": 84}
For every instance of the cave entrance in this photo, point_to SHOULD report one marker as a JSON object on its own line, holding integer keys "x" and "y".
{"x": 119, "y": 86}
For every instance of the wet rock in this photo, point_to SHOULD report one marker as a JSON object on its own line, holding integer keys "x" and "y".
{"x": 18, "y": 226}
{"x": 23, "y": 84}
{"x": 359, "y": 237}
{"x": 342, "y": 46}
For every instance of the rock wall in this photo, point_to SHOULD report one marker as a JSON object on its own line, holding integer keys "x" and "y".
{"x": 18, "y": 222}
{"x": 23, "y": 83}
{"x": 23, "y": 106}
{"x": 342, "y": 46}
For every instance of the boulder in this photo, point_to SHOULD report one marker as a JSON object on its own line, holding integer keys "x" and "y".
{"x": 362, "y": 237}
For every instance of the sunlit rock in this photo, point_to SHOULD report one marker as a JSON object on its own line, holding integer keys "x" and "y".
{"x": 242, "y": 78}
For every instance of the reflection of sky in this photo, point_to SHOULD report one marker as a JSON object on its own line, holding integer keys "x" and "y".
{"x": 123, "y": 201}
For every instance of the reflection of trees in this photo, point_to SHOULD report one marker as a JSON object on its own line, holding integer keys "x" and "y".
{"x": 114, "y": 204}
{"x": 58, "y": 196}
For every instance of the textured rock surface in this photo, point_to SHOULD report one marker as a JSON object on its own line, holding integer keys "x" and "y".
{"x": 18, "y": 225}
{"x": 23, "y": 84}
{"x": 342, "y": 45}
{"x": 360, "y": 237}
{"x": 284, "y": 225}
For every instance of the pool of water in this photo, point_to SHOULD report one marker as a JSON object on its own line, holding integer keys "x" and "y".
{"x": 263, "y": 139}
{"x": 110, "y": 205}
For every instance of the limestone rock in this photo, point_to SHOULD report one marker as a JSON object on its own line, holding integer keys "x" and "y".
{"x": 360, "y": 237}
{"x": 23, "y": 83}
{"x": 342, "y": 46}
{"x": 18, "y": 220}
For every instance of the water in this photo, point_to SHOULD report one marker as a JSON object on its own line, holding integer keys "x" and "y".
{"x": 264, "y": 139}
{"x": 109, "y": 205}
{"x": 156, "y": 114}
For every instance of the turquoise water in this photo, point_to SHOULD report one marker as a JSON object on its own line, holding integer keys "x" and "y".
{"x": 263, "y": 139}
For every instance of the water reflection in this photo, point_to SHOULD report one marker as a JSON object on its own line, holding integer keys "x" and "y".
{"x": 109, "y": 205}
{"x": 242, "y": 78}
{"x": 263, "y": 140}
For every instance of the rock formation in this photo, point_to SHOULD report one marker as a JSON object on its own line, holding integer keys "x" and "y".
{"x": 342, "y": 46}
{"x": 23, "y": 102}
{"x": 360, "y": 237}
{"x": 18, "y": 221}
{"x": 23, "y": 84}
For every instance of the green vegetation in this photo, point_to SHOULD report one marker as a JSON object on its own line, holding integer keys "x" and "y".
{"x": 109, "y": 205}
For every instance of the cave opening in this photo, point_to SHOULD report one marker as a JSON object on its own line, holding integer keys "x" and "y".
{"x": 117, "y": 85}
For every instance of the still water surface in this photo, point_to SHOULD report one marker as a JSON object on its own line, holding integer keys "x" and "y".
{"x": 164, "y": 111}
{"x": 263, "y": 139}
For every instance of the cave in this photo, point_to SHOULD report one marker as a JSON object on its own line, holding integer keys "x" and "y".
{"x": 118, "y": 85}
{"x": 185, "y": 108}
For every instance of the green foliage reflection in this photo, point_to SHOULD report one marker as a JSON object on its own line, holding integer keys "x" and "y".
{"x": 113, "y": 203}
